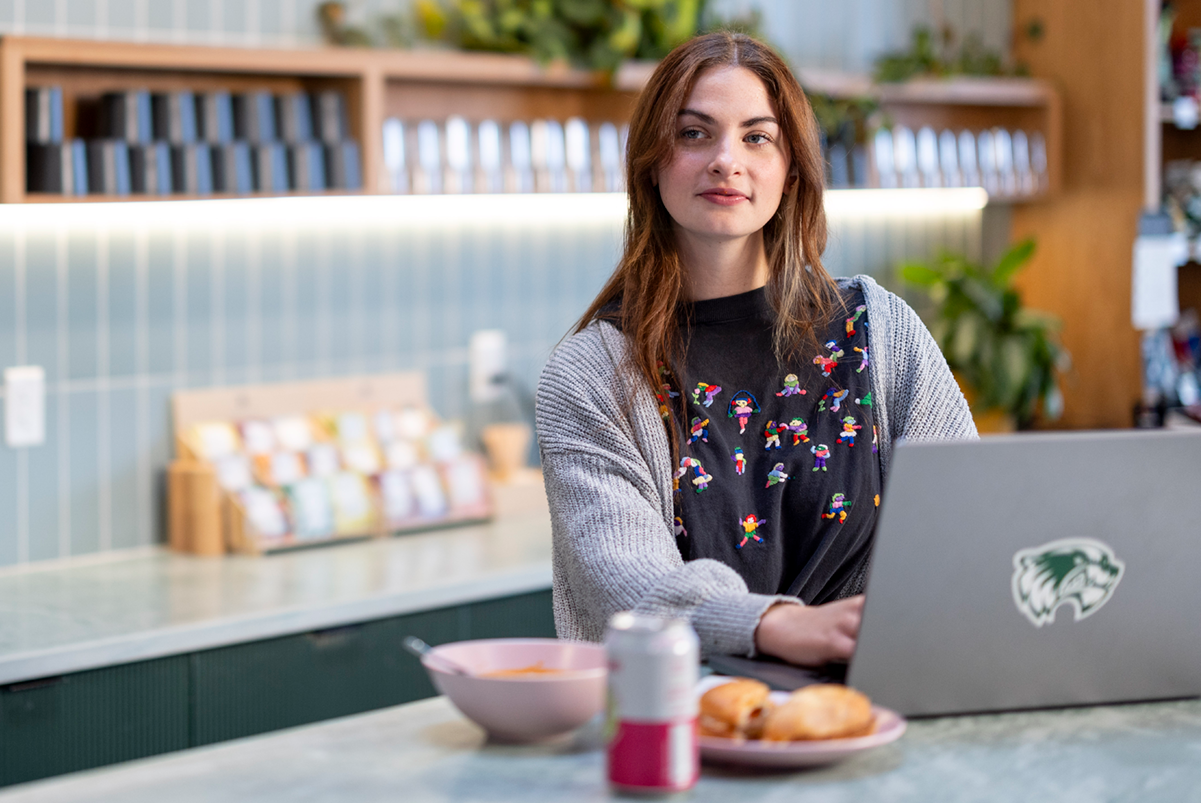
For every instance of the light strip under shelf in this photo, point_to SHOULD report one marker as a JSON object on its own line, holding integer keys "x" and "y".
{"x": 431, "y": 210}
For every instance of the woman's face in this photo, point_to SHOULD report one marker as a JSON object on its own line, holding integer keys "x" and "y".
{"x": 729, "y": 167}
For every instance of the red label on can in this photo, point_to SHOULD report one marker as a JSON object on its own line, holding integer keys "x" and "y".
{"x": 654, "y": 756}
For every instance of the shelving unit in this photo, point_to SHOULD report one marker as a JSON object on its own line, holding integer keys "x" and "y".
{"x": 436, "y": 84}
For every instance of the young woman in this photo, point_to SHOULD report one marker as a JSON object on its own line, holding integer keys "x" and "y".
{"x": 716, "y": 432}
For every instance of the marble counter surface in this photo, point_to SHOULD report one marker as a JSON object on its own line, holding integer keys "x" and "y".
{"x": 424, "y": 752}
{"x": 77, "y": 616}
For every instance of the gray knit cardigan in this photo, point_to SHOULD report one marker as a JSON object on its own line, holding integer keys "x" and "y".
{"x": 608, "y": 474}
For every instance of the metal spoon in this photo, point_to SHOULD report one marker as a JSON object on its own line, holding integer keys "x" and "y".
{"x": 423, "y": 650}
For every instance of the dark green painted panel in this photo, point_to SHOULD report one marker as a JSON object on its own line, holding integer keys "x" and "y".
{"x": 524, "y": 615}
{"x": 280, "y": 683}
{"x": 89, "y": 719}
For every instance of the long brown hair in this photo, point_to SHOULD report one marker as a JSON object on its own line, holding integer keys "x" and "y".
{"x": 649, "y": 279}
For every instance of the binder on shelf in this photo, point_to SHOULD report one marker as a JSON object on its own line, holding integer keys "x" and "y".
{"x": 44, "y": 114}
{"x": 269, "y": 167}
{"x": 458, "y": 176}
{"x": 60, "y": 168}
{"x": 126, "y": 116}
{"x": 306, "y": 167}
{"x": 108, "y": 167}
{"x": 254, "y": 117}
{"x": 150, "y": 169}
{"x": 520, "y": 175}
{"x": 215, "y": 117}
{"x": 174, "y": 117}
{"x": 294, "y": 113}
{"x": 330, "y": 124}
{"x": 490, "y": 164}
{"x": 192, "y": 169}
{"x": 232, "y": 171}
{"x": 395, "y": 152}
{"x": 578, "y": 155}
{"x": 343, "y": 166}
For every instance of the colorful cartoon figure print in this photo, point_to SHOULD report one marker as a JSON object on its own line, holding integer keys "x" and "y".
{"x": 849, "y": 426}
{"x": 678, "y": 527}
{"x": 739, "y": 460}
{"x": 835, "y": 395}
{"x": 699, "y": 429}
{"x": 773, "y": 432}
{"x": 828, "y": 364}
{"x": 666, "y": 387}
{"x": 742, "y": 406}
{"x": 710, "y": 392}
{"x": 776, "y": 476}
{"x": 750, "y": 525}
{"x": 863, "y": 363}
{"x": 875, "y": 440}
{"x": 664, "y": 413}
{"x": 700, "y": 479}
{"x": 859, "y": 310}
{"x": 822, "y": 453}
{"x": 792, "y": 387}
{"x": 838, "y": 508}
{"x": 799, "y": 430}
{"x": 866, "y": 401}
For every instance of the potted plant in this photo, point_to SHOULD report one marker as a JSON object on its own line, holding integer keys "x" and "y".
{"x": 1006, "y": 357}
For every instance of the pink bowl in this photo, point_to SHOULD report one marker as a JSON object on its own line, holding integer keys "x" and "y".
{"x": 523, "y": 708}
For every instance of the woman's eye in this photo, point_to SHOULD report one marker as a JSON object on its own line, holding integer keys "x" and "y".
{"x": 691, "y": 133}
{"x": 758, "y": 139}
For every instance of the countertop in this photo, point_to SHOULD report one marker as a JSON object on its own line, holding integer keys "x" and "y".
{"x": 425, "y": 752}
{"x": 87, "y": 614}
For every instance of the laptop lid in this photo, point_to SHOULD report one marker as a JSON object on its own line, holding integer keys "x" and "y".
{"x": 1035, "y": 571}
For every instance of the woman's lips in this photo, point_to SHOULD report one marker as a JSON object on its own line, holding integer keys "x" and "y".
{"x": 724, "y": 197}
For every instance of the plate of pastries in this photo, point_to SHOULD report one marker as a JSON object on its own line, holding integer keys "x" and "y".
{"x": 742, "y": 721}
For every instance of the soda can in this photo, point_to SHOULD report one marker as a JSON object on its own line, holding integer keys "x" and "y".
{"x": 654, "y": 664}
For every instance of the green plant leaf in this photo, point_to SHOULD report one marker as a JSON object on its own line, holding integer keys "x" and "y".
{"x": 921, "y": 275}
{"x": 1011, "y": 262}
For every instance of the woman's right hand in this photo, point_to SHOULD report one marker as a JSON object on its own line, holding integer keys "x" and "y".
{"x": 810, "y": 635}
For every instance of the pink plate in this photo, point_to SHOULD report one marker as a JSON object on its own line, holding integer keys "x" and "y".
{"x": 889, "y": 727}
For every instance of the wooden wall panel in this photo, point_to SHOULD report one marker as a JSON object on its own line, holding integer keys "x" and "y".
{"x": 1093, "y": 51}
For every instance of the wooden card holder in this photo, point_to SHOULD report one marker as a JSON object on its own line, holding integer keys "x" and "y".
{"x": 204, "y": 519}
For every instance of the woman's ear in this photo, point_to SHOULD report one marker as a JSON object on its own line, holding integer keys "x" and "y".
{"x": 790, "y": 182}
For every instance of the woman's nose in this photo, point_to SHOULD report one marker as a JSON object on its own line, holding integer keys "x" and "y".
{"x": 725, "y": 160}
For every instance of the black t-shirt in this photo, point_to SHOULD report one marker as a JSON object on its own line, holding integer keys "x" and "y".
{"x": 779, "y": 473}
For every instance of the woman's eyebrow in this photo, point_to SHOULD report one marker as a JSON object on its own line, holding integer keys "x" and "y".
{"x": 704, "y": 118}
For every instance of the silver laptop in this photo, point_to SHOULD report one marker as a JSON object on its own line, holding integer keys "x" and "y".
{"x": 1035, "y": 571}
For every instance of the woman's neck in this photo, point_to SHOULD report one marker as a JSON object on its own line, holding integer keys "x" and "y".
{"x": 717, "y": 268}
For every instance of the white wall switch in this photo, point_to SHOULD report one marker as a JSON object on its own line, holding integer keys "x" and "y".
{"x": 24, "y": 405}
{"x": 488, "y": 358}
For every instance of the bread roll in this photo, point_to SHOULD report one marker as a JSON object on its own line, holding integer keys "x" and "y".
{"x": 730, "y": 709}
{"x": 823, "y": 711}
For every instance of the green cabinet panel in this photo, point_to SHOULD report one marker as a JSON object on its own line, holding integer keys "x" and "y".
{"x": 251, "y": 688}
{"x": 524, "y": 615}
{"x": 88, "y": 719}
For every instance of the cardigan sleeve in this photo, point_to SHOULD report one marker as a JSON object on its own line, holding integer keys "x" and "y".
{"x": 925, "y": 402}
{"x": 614, "y": 548}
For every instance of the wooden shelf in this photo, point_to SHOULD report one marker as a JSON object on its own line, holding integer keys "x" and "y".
{"x": 432, "y": 83}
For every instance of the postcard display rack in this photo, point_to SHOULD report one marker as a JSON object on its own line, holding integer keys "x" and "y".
{"x": 365, "y": 457}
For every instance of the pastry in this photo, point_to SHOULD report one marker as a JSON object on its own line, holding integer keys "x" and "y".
{"x": 734, "y": 709}
{"x": 823, "y": 711}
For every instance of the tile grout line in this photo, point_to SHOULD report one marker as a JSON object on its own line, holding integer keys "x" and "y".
{"x": 19, "y": 268}
{"x": 179, "y": 312}
{"x": 103, "y": 398}
{"x": 145, "y": 513}
{"x": 290, "y": 302}
{"x": 217, "y": 306}
{"x": 254, "y": 323}
{"x": 63, "y": 428}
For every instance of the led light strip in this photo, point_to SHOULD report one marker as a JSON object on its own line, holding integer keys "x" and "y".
{"x": 432, "y": 210}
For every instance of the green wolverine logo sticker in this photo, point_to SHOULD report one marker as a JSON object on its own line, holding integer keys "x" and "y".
{"x": 1080, "y": 572}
